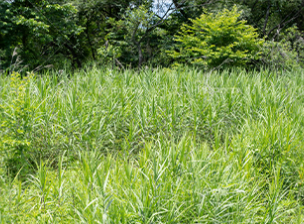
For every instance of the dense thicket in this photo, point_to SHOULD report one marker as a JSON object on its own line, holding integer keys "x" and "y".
{"x": 179, "y": 144}
{"x": 161, "y": 146}
{"x": 38, "y": 34}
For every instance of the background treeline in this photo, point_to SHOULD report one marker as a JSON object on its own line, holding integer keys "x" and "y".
{"x": 40, "y": 34}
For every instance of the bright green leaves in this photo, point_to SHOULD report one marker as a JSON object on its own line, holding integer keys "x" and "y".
{"x": 213, "y": 40}
{"x": 32, "y": 23}
{"x": 16, "y": 116}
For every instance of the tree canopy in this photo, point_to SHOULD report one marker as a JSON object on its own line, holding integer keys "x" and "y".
{"x": 39, "y": 34}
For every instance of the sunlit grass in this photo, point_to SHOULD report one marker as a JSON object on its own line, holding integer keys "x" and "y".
{"x": 162, "y": 146}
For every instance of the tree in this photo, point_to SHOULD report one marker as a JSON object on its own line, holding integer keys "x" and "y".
{"x": 43, "y": 33}
{"x": 135, "y": 29}
{"x": 216, "y": 39}
{"x": 39, "y": 29}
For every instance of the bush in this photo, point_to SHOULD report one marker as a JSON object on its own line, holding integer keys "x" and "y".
{"x": 213, "y": 40}
{"x": 284, "y": 54}
{"x": 16, "y": 123}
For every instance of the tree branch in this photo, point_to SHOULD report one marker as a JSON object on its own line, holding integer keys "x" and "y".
{"x": 267, "y": 16}
{"x": 162, "y": 19}
{"x": 282, "y": 24}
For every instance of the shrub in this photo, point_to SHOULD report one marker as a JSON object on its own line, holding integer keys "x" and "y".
{"x": 284, "y": 54}
{"x": 277, "y": 56}
{"x": 16, "y": 122}
{"x": 213, "y": 40}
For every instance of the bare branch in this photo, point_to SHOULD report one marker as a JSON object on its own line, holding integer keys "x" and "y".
{"x": 267, "y": 16}
{"x": 119, "y": 63}
{"x": 193, "y": 6}
{"x": 135, "y": 31}
{"x": 254, "y": 5}
{"x": 157, "y": 24}
{"x": 226, "y": 61}
{"x": 162, "y": 19}
{"x": 282, "y": 24}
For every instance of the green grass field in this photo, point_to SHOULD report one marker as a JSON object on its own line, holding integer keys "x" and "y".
{"x": 162, "y": 146}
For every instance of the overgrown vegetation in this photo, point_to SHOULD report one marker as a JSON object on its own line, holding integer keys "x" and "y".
{"x": 215, "y": 139}
{"x": 39, "y": 35}
{"x": 161, "y": 146}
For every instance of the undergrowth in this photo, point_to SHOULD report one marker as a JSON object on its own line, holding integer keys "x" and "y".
{"x": 158, "y": 146}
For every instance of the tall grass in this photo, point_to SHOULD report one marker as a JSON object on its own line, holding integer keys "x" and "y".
{"x": 159, "y": 146}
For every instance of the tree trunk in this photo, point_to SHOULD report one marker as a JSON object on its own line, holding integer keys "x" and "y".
{"x": 74, "y": 56}
{"x": 140, "y": 55}
{"x": 89, "y": 39}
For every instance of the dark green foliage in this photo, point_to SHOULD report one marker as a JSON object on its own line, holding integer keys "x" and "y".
{"x": 33, "y": 31}
{"x": 133, "y": 40}
{"x": 36, "y": 34}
